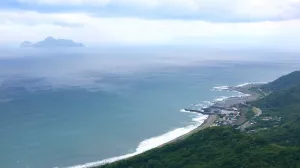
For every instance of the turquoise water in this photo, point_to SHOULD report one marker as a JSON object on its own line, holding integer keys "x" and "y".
{"x": 66, "y": 109}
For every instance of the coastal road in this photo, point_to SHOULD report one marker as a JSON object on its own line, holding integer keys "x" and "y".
{"x": 244, "y": 126}
{"x": 264, "y": 93}
{"x": 257, "y": 112}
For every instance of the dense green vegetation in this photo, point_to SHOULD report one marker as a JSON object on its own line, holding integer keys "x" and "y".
{"x": 280, "y": 99}
{"x": 285, "y": 104}
{"x": 284, "y": 82}
{"x": 249, "y": 113}
{"x": 216, "y": 147}
{"x": 276, "y": 146}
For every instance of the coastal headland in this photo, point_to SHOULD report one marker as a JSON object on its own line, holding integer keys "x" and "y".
{"x": 230, "y": 111}
{"x": 261, "y": 123}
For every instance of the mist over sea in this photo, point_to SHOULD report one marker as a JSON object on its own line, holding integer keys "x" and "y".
{"x": 67, "y": 108}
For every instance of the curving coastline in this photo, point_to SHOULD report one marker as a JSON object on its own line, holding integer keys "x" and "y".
{"x": 207, "y": 123}
{"x": 245, "y": 95}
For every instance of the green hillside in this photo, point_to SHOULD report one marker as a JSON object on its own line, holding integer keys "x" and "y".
{"x": 216, "y": 147}
{"x": 284, "y": 82}
{"x": 275, "y": 145}
{"x": 285, "y": 104}
{"x": 278, "y": 100}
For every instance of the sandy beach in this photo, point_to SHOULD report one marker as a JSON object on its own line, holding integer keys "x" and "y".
{"x": 207, "y": 123}
{"x": 223, "y": 104}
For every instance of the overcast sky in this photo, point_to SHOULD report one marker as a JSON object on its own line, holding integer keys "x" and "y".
{"x": 152, "y": 21}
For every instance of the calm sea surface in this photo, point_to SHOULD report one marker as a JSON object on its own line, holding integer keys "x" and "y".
{"x": 60, "y": 109}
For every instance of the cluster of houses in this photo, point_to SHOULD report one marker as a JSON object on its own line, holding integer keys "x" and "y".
{"x": 228, "y": 117}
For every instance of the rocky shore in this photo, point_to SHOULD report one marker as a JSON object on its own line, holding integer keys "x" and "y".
{"x": 249, "y": 92}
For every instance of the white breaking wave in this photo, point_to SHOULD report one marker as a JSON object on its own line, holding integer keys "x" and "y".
{"x": 220, "y": 88}
{"x": 185, "y": 111}
{"x": 169, "y": 136}
{"x": 160, "y": 140}
{"x": 208, "y": 102}
{"x": 243, "y": 95}
{"x": 200, "y": 119}
{"x": 221, "y": 99}
{"x": 250, "y": 83}
{"x": 199, "y": 105}
{"x": 151, "y": 143}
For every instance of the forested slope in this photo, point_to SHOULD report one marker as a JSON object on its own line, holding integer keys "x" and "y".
{"x": 277, "y": 146}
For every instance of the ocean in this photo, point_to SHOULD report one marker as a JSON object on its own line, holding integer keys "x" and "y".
{"x": 84, "y": 107}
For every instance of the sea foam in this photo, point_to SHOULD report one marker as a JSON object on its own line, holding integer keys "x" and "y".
{"x": 224, "y": 87}
{"x": 169, "y": 136}
{"x": 185, "y": 111}
{"x": 220, "y": 88}
{"x": 250, "y": 83}
{"x": 220, "y": 99}
{"x": 151, "y": 143}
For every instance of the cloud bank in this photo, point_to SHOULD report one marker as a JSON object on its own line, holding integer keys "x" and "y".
{"x": 212, "y": 10}
{"x": 152, "y": 21}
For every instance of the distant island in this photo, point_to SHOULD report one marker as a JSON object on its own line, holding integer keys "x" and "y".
{"x": 51, "y": 42}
